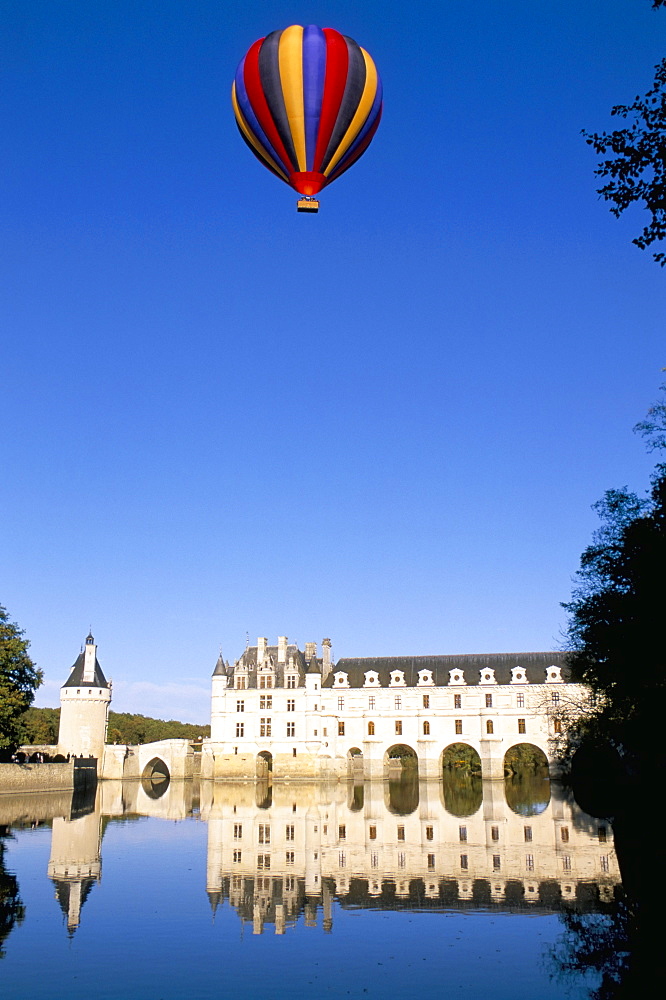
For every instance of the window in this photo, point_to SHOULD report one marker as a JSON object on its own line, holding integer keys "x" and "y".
{"x": 325, "y": 731}
{"x": 240, "y": 729}
{"x": 564, "y": 834}
{"x": 371, "y": 702}
{"x": 557, "y": 725}
{"x": 457, "y": 701}
{"x": 341, "y": 729}
{"x": 555, "y": 697}
{"x": 426, "y": 701}
{"x": 566, "y": 863}
{"x": 458, "y": 727}
{"x": 398, "y": 702}
{"x": 265, "y": 701}
{"x": 265, "y": 727}
{"x": 291, "y": 705}
{"x": 374, "y": 859}
{"x": 291, "y": 729}
{"x": 521, "y": 726}
{"x": 315, "y": 732}
{"x": 520, "y": 701}
{"x": 398, "y": 727}
{"x": 602, "y": 834}
{"x": 462, "y": 834}
{"x": 240, "y": 706}
{"x": 240, "y": 683}
{"x": 426, "y": 729}
{"x": 489, "y": 727}
{"x": 430, "y": 833}
{"x": 529, "y": 862}
{"x": 528, "y": 834}
{"x": 289, "y": 832}
{"x": 494, "y": 833}
{"x": 489, "y": 701}
{"x": 238, "y": 831}
{"x": 372, "y": 833}
{"x": 431, "y": 862}
{"x": 263, "y": 861}
{"x": 289, "y": 857}
{"x": 342, "y": 859}
{"x": 293, "y": 752}
{"x": 401, "y": 833}
{"x": 605, "y": 866}
{"x": 463, "y": 862}
{"x": 264, "y": 833}
{"x": 401, "y": 859}
{"x": 341, "y": 703}
{"x": 497, "y": 864}
{"x": 237, "y": 857}
{"x": 342, "y": 832}
{"x": 291, "y": 682}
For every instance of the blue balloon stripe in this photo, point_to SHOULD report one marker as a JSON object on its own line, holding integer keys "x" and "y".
{"x": 314, "y": 74}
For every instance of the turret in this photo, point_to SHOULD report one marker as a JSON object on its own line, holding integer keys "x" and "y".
{"x": 84, "y": 706}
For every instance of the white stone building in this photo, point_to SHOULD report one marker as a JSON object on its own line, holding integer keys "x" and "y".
{"x": 298, "y": 714}
{"x": 84, "y": 706}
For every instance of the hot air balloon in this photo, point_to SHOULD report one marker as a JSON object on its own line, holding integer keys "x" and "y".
{"x": 307, "y": 102}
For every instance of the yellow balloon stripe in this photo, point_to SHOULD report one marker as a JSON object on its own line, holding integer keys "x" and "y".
{"x": 290, "y": 55}
{"x": 362, "y": 112}
{"x": 250, "y": 137}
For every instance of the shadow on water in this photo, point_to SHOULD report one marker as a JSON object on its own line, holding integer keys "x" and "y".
{"x": 12, "y": 910}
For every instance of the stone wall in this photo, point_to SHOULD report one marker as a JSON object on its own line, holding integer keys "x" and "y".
{"x": 36, "y": 777}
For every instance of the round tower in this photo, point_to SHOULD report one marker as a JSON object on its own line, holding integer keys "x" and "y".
{"x": 84, "y": 706}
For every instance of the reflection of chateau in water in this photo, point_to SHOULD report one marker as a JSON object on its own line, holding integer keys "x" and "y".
{"x": 278, "y": 853}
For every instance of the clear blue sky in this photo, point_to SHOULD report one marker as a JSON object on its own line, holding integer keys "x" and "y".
{"x": 384, "y": 424}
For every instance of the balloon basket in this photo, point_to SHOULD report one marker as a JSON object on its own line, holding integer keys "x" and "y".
{"x": 307, "y": 205}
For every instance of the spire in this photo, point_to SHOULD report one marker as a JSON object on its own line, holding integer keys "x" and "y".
{"x": 219, "y": 666}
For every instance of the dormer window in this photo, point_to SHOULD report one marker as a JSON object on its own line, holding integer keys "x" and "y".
{"x": 518, "y": 675}
{"x": 456, "y": 677}
{"x": 425, "y": 678}
{"x": 340, "y": 679}
{"x": 371, "y": 678}
{"x": 487, "y": 676}
{"x": 554, "y": 675}
{"x": 397, "y": 678}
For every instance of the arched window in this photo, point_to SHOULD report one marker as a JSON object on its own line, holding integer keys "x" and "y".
{"x": 371, "y": 729}
{"x": 426, "y": 729}
{"x": 489, "y": 727}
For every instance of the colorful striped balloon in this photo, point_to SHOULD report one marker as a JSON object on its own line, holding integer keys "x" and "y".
{"x": 307, "y": 102}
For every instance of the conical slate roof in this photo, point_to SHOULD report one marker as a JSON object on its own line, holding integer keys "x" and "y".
{"x": 75, "y": 678}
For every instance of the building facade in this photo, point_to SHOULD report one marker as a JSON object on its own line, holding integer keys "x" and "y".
{"x": 296, "y": 714}
{"x": 84, "y": 706}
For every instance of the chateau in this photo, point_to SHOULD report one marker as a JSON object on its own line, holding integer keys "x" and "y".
{"x": 295, "y": 714}
{"x": 298, "y": 714}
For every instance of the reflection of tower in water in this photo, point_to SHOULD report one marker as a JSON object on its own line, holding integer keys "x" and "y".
{"x": 75, "y": 863}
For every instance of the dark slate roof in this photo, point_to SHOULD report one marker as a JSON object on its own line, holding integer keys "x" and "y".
{"x": 249, "y": 661}
{"x": 220, "y": 666}
{"x": 471, "y": 664}
{"x": 75, "y": 678}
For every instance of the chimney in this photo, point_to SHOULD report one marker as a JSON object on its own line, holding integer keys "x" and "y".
{"x": 326, "y": 656}
{"x": 261, "y": 649}
{"x": 310, "y": 651}
{"x": 282, "y": 649}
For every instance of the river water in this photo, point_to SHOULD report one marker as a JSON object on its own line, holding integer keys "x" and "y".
{"x": 399, "y": 889}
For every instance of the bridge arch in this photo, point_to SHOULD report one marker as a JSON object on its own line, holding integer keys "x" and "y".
{"x": 264, "y": 764}
{"x": 462, "y": 757}
{"x": 155, "y": 778}
{"x": 526, "y": 779}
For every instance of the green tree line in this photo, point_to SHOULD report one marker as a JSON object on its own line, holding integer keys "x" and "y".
{"x": 41, "y": 727}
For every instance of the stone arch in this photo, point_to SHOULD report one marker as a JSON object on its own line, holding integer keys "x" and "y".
{"x": 355, "y": 762}
{"x": 526, "y": 779}
{"x": 264, "y": 764}
{"x": 155, "y": 778}
{"x": 461, "y": 757}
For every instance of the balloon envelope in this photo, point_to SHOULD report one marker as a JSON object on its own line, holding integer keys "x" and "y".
{"x": 307, "y": 101}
